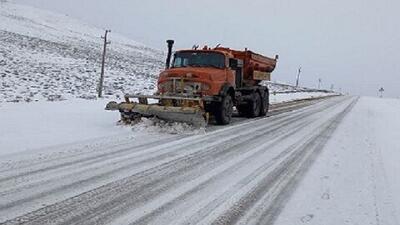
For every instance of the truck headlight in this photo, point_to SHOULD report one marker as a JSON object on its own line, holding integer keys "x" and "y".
{"x": 165, "y": 86}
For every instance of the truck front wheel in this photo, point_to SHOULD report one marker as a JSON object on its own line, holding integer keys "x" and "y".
{"x": 223, "y": 113}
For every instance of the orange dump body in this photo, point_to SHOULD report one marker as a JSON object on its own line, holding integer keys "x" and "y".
{"x": 253, "y": 63}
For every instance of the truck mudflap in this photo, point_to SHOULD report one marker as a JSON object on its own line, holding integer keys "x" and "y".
{"x": 188, "y": 112}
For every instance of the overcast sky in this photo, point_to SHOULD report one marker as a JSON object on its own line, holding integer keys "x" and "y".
{"x": 353, "y": 44}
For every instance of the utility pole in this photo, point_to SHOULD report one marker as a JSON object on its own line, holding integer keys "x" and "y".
{"x": 381, "y": 90}
{"x": 100, "y": 87}
{"x": 298, "y": 77}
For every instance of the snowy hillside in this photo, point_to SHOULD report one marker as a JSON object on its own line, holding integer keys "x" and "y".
{"x": 49, "y": 56}
{"x": 44, "y": 55}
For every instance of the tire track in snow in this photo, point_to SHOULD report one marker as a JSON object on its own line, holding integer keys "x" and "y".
{"x": 206, "y": 210}
{"x": 276, "y": 188}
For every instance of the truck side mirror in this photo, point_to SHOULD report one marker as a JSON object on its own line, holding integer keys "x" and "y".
{"x": 233, "y": 63}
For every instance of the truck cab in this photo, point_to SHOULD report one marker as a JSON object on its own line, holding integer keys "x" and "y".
{"x": 197, "y": 73}
{"x": 204, "y": 83}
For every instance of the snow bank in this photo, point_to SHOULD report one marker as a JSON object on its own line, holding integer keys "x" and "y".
{"x": 40, "y": 124}
{"x": 285, "y": 97}
{"x": 154, "y": 125}
{"x": 355, "y": 180}
{"x": 283, "y": 92}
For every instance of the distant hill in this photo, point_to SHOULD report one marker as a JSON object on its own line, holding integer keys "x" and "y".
{"x": 49, "y": 56}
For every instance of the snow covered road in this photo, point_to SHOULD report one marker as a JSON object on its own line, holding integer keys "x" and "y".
{"x": 356, "y": 178}
{"x": 239, "y": 174}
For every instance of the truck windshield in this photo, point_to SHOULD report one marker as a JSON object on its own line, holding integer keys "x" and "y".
{"x": 199, "y": 59}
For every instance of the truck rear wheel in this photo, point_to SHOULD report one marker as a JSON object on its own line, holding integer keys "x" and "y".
{"x": 265, "y": 105}
{"x": 255, "y": 106}
{"x": 223, "y": 113}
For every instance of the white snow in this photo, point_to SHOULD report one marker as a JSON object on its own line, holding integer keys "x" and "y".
{"x": 49, "y": 56}
{"x": 41, "y": 124}
{"x": 37, "y": 125}
{"x": 47, "y": 25}
{"x": 285, "y": 97}
{"x": 154, "y": 125}
{"x": 355, "y": 180}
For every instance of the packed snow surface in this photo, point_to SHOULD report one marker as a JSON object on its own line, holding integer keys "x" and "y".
{"x": 356, "y": 178}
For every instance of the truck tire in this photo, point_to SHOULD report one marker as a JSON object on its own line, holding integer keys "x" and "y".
{"x": 223, "y": 113}
{"x": 265, "y": 104}
{"x": 255, "y": 106}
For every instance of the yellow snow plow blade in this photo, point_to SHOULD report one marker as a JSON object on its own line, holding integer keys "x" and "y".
{"x": 174, "y": 109}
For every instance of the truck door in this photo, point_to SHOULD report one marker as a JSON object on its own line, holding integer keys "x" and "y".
{"x": 239, "y": 73}
{"x": 237, "y": 66}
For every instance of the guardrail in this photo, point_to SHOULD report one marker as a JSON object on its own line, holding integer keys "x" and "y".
{"x": 295, "y": 89}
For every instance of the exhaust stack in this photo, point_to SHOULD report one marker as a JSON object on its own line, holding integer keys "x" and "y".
{"x": 170, "y": 45}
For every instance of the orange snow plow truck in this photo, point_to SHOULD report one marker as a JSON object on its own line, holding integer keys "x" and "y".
{"x": 204, "y": 83}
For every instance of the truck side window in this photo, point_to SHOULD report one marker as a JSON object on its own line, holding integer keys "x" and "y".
{"x": 177, "y": 62}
